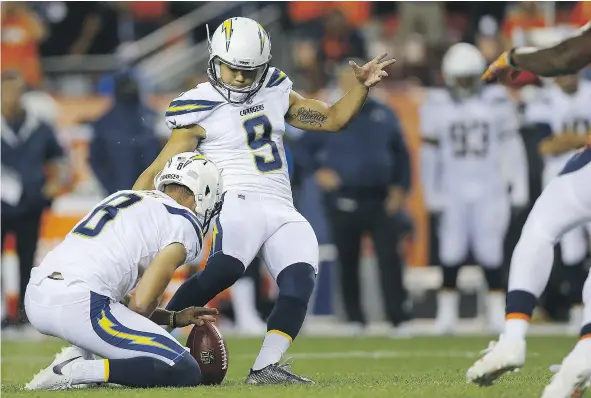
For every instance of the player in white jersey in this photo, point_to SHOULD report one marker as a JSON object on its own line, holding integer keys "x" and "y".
{"x": 564, "y": 107}
{"x": 238, "y": 120}
{"x": 75, "y": 293}
{"x": 470, "y": 133}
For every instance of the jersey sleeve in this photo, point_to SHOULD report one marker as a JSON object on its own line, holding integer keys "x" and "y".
{"x": 189, "y": 109}
{"x": 186, "y": 229}
{"x": 277, "y": 79}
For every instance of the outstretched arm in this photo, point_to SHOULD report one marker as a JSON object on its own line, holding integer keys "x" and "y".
{"x": 565, "y": 58}
{"x": 181, "y": 140}
{"x": 310, "y": 114}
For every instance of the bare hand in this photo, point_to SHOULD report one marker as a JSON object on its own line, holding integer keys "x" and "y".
{"x": 51, "y": 190}
{"x": 195, "y": 316}
{"x": 372, "y": 72}
{"x": 327, "y": 179}
{"x": 395, "y": 200}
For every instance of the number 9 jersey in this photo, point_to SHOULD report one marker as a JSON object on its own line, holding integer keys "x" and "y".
{"x": 118, "y": 239}
{"x": 245, "y": 141}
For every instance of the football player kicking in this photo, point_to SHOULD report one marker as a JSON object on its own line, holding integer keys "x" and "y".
{"x": 563, "y": 205}
{"x": 75, "y": 293}
{"x": 237, "y": 120}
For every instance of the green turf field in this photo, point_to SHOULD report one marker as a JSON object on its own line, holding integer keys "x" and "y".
{"x": 364, "y": 367}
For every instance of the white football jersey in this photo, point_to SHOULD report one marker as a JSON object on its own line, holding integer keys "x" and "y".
{"x": 118, "y": 240}
{"x": 563, "y": 113}
{"x": 475, "y": 136}
{"x": 245, "y": 141}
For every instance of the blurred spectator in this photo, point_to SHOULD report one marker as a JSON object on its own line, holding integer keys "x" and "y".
{"x": 425, "y": 18}
{"x": 336, "y": 41}
{"x": 339, "y": 40}
{"x": 581, "y": 13}
{"x": 22, "y": 31}
{"x": 365, "y": 174}
{"x": 32, "y": 173}
{"x": 148, "y": 16}
{"x": 525, "y": 17}
{"x": 124, "y": 143}
{"x": 80, "y": 27}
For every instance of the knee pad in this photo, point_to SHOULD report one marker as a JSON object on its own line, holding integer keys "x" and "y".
{"x": 297, "y": 282}
{"x": 185, "y": 372}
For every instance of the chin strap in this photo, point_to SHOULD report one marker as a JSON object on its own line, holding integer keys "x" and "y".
{"x": 210, "y": 215}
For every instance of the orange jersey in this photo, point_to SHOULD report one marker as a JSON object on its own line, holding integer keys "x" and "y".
{"x": 19, "y": 48}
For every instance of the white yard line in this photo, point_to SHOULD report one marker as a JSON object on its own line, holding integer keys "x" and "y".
{"x": 308, "y": 355}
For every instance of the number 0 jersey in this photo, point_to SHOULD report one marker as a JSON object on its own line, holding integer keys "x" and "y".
{"x": 118, "y": 240}
{"x": 245, "y": 141}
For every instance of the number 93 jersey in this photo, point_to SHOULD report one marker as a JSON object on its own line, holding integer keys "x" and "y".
{"x": 471, "y": 135}
{"x": 245, "y": 141}
{"x": 118, "y": 240}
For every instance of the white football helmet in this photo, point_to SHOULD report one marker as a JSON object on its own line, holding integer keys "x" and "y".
{"x": 463, "y": 61}
{"x": 201, "y": 176}
{"x": 240, "y": 43}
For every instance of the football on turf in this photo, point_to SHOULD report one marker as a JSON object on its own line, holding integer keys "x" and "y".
{"x": 208, "y": 347}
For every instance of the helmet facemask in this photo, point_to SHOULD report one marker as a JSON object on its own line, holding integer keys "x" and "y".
{"x": 233, "y": 94}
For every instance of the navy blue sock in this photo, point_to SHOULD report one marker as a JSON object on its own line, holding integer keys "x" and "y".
{"x": 450, "y": 277}
{"x": 220, "y": 273}
{"x": 151, "y": 372}
{"x": 296, "y": 284}
{"x": 520, "y": 304}
{"x": 575, "y": 275}
{"x": 495, "y": 279}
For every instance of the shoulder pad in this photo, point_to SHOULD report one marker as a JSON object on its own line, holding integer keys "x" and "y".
{"x": 436, "y": 96}
{"x": 191, "y": 107}
{"x": 277, "y": 78}
{"x": 495, "y": 93}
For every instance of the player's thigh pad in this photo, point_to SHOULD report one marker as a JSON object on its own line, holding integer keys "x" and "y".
{"x": 294, "y": 242}
{"x": 489, "y": 221}
{"x": 563, "y": 205}
{"x": 453, "y": 234}
{"x": 241, "y": 227}
{"x": 96, "y": 324}
{"x": 574, "y": 246}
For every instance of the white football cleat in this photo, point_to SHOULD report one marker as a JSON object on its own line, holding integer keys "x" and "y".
{"x": 571, "y": 380}
{"x": 500, "y": 357}
{"x": 56, "y": 377}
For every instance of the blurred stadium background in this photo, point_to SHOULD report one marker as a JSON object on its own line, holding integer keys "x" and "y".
{"x": 76, "y": 57}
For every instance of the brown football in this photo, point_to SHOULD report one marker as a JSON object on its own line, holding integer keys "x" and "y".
{"x": 208, "y": 347}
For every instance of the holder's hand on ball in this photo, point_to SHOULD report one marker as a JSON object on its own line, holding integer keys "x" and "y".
{"x": 195, "y": 316}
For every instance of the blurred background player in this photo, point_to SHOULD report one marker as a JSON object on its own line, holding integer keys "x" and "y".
{"x": 470, "y": 132}
{"x": 75, "y": 293}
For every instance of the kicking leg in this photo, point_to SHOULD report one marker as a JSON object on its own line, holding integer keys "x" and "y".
{"x": 563, "y": 205}
{"x": 294, "y": 267}
{"x": 574, "y": 376}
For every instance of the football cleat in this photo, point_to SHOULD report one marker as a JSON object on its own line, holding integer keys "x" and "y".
{"x": 499, "y": 358}
{"x": 571, "y": 380}
{"x": 276, "y": 374}
{"x": 55, "y": 377}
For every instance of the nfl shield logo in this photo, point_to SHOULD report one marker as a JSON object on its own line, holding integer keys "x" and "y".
{"x": 207, "y": 357}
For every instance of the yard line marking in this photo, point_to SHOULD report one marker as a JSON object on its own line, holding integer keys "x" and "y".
{"x": 310, "y": 355}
